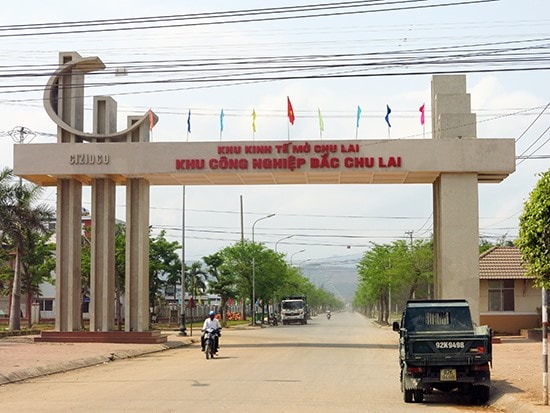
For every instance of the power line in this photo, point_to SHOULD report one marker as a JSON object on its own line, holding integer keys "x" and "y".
{"x": 204, "y": 19}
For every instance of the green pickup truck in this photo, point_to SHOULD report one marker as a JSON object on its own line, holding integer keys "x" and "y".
{"x": 440, "y": 348}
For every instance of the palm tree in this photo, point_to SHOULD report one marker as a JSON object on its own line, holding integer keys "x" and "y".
{"x": 17, "y": 216}
{"x": 195, "y": 278}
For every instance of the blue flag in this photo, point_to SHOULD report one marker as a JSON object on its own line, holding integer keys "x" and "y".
{"x": 387, "y": 117}
{"x": 189, "y": 122}
{"x": 358, "y": 116}
{"x": 221, "y": 120}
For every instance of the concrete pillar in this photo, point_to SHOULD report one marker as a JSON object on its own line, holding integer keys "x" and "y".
{"x": 137, "y": 316}
{"x": 68, "y": 253}
{"x": 455, "y": 199}
{"x": 102, "y": 268}
{"x": 70, "y": 108}
{"x": 456, "y": 239}
{"x": 137, "y": 255}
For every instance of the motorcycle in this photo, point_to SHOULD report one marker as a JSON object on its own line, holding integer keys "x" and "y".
{"x": 210, "y": 338}
{"x": 273, "y": 320}
{"x": 328, "y": 316}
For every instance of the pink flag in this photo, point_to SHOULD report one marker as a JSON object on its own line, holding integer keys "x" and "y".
{"x": 422, "y": 114}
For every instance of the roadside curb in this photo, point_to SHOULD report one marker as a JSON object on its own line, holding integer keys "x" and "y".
{"x": 34, "y": 372}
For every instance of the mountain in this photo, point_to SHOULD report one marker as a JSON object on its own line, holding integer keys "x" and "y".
{"x": 336, "y": 274}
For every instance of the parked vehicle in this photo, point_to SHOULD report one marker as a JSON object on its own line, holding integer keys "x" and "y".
{"x": 294, "y": 310}
{"x": 440, "y": 348}
{"x": 210, "y": 339}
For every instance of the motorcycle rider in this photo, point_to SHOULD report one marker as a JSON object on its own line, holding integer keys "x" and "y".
{"x": 214, "y": 323}
{"x": 328, "y": 314}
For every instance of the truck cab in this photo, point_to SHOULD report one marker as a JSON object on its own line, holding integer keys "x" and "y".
{"x": 294, "y": 310}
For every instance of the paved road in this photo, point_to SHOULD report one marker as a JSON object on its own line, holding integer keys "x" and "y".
{"x": 342, "y": 365}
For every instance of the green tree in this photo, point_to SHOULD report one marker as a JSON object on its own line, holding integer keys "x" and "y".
{"x": 19, "y": 214}
{"x": 37, "y": 266}
{"x": 120, "y": 270}
{"x": 254, "y": 267}
{"x": 164, "y": 267}
{"x": 195, "y": 277}
{"x": 393, "y": 272}
{"x": 534, "y": 232}
{"x": 223, "y": 282}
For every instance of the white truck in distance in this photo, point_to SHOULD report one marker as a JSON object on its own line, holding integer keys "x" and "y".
{"x": 294, "y": 310}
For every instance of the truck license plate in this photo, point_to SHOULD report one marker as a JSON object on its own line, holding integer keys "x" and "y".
{"x": 447, "y": 375}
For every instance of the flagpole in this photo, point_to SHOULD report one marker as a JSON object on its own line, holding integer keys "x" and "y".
{"x": 356, "y": 132}
{"x": 288, "y": 131}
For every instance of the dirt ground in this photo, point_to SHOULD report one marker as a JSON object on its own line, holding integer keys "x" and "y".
{"x": 517, "y": 368}
{"x": 517, "y": 361}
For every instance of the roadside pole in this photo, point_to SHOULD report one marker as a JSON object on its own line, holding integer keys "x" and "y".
{"x": 544, "y": 348}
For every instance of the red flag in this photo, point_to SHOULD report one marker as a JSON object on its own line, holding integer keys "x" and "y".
{"x": 290, "y": 111}
{"x": 422, "y": 114}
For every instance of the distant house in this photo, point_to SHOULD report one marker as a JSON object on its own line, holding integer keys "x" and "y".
{"x": 508, "y": 300}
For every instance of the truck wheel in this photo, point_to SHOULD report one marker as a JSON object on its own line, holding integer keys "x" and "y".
{"x": 419, "y": 396}
{"x": 408, "y": 396}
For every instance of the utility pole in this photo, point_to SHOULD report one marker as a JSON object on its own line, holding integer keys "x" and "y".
{"x": 544, "y": 347}
{"x": 183, "y": 329}
{"x": 410, "y": 235}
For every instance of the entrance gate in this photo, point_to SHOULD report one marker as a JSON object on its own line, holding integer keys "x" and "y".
{"x": 454, "y": 162}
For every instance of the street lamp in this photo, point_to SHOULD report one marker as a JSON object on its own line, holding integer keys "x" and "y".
{"x": 254, "y": 270}
{"x": 287, "y": 237}
{"x": 297, "y": 252}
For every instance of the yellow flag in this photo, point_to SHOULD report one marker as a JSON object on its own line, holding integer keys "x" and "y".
{"x": 254, "y": 120}
{"x": 321, "y": 123}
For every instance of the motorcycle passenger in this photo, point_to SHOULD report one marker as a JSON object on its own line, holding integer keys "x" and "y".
{"x": 211, "y": 322}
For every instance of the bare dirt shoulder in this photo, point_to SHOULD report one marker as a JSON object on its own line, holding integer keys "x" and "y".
{"x": 517, "y": 368}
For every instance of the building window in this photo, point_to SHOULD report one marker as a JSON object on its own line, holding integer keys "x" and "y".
{"x": 501, "y": 295}
{"x": 46, "y": 305}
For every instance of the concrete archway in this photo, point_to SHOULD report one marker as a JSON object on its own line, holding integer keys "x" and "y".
{"x": 454, "y": 162}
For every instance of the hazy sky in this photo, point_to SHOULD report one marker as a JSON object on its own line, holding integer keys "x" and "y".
{"x": 324, "y": 221}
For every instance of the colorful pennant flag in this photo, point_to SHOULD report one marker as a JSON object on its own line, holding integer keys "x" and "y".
{"x": 422, "y": 114}
{"x": 321, "y": 123}
{"x": 387, "y": 117}
{"x": 290, "y": 111}
{"x": 358, "y": 116}
{"x": 254, "y": 120}
{"x": 189, "y": 121}
{"x": 150, "y": 119}
{"x": 221, "y": 120}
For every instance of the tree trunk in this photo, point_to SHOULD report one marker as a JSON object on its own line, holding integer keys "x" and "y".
{"x": 223, "y": 305}
{"x": 15, "y": 309}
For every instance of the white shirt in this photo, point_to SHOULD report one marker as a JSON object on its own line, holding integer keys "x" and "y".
{"x": 211, "y": 323}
